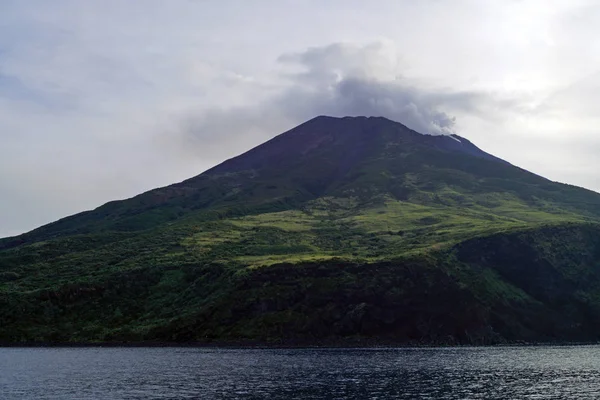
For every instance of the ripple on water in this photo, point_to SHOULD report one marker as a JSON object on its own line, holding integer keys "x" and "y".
{"x": 187, "y": 373}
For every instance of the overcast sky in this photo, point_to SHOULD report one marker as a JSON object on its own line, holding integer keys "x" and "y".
{"x": 104, "y": 99}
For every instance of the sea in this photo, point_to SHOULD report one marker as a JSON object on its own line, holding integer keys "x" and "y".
{"x": 523, "y": 372}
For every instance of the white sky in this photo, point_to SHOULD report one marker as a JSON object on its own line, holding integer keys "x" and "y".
{"x": 104, "y": 99}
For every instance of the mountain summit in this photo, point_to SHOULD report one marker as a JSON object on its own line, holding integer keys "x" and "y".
{"x": 339, "y": 229}
{"x": 347, "y": 141}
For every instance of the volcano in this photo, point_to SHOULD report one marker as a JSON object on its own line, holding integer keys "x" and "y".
{"x": 340, "y": 230}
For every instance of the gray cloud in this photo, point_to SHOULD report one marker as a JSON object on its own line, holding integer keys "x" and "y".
{"x": 344, "y": 79}
{"x": 355, "y": 96}
{"x": 337, "y": 80}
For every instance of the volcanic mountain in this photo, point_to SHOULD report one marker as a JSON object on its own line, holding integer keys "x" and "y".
{"x": 340, "y": 230}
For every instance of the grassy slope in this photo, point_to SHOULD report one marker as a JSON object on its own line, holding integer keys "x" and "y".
{"x": 523, "y": 285}
{"x": 322, "y": 229}
{"x": 283, "y": 275}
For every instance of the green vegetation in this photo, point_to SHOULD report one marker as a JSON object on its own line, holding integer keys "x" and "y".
{"x": 339, "y": 231}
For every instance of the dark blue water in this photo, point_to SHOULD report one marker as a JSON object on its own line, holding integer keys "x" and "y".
{"x": 189, "y": 373}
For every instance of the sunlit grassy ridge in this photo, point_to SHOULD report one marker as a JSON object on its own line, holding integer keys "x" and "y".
{"x": 342, "y": 227}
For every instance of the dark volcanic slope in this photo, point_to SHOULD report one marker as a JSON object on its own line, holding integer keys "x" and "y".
{"x": 341, "y": 229}
{"x": 348, "y": 141}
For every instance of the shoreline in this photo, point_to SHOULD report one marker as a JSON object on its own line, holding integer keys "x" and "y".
{"x": 274, "y": 346}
